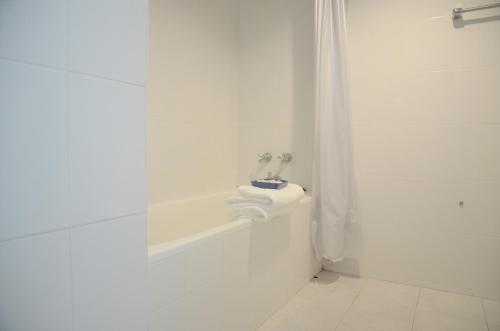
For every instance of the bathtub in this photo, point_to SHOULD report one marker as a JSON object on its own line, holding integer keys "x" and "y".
{"x": 208, "y": 273}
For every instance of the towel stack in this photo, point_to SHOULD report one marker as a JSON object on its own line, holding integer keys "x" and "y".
{"x": 264, "y": 204}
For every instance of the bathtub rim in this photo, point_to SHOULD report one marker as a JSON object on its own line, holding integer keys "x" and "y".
{"x": 161, "y": 251}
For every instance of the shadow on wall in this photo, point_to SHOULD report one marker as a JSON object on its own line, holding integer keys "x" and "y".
{"x": 303, "y": 89}
{"x": 348, "y": 266}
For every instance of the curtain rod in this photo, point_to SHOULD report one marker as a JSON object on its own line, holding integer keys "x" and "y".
{"x": 456, "y": 12}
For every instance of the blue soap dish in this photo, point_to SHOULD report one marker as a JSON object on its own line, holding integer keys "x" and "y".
{"x": 274, "y": 184}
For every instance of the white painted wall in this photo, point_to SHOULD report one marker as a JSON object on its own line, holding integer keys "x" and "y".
{"x": 72, "y": 165}
{"x": 276, "y": 86}
{"x": 426, "y": 114}
{"x": 193, "y": 97}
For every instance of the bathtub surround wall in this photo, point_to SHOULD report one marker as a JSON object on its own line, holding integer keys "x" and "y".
{"x": 228, "y": 80}
{"x": 193, "y": 98}
{"x": 276, "y": 87}
{"x": 426, "y": 112}
{"x": 72, "y": 144}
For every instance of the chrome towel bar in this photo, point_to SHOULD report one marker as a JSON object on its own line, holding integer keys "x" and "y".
{"x": 457, "y": 12}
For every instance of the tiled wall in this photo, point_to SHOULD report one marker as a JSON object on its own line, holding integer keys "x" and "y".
{"x": 72, "y": 146}
{"x": 276, "y": 86}
{"x": 193, "y": 97}
{"x": 426, "y": 113}
{"x": 237, "y": 82}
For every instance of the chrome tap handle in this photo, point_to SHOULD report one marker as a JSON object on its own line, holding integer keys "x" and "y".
{"x": 266, "y": 157}
{"x": 285, "y": 157}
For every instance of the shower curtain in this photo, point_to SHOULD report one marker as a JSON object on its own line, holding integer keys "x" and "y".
{"x": 333, "y": 184}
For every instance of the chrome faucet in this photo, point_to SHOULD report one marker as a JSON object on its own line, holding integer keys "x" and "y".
{"x": 266, "y": 157}
{"x": 285, "y": 157}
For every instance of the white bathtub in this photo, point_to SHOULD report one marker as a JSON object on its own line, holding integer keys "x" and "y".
{"x": 206, "y": 273}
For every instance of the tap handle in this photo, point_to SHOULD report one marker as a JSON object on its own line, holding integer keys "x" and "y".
{"x": 285, "y": 157}
{"x": 266, "y": 157}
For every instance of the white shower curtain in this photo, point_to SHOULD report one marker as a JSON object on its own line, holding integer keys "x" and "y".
{"x": 333, "y": 183}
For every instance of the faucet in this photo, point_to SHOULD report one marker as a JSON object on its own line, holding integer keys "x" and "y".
{"x": 285, "y": 157}
{"x": 266, "y": 157}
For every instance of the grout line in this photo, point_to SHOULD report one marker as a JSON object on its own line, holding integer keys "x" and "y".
{"x": 350, "y": 305}
{"x": 67, "y": 118}
{"x": 72, "y": 282}
{"x": 32, "y": 64}
{"x": 484, "y": 314}
{"x": 416, "y": 308}
{"x": 74, "y": 72}
{"x": 67, "y": 115}
{"x": 117, "y": 218}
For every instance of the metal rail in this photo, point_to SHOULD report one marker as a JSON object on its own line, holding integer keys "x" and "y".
{"x": 457, "y": 12}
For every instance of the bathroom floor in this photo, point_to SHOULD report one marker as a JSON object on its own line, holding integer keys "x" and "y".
{"x": 333, "y": 302}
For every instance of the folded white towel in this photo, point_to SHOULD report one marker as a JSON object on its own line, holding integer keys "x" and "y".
{"x": 264, "y": 204}
{"x": 269, "y": 197}
{"x": 260, "y": 214}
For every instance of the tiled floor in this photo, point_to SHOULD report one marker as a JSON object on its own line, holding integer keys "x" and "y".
{"x": 338, "y": 303}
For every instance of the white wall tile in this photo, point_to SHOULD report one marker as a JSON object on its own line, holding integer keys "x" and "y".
{"x": 109, "y": 38}
{"x": 276, "y": 63}
{"x": 408, "y": 43}
{"x": 204, "y": 58}
{"x": 35, "y": 292}
{"x": 192, "y": 98}
{"x": 33, "y": 148}
{"x": 107, "y": 143}
{"x": 167, "y": 280}
{"x": 101, "y": 173}
{"x": 439, "y": 152}
{"x": 109, "y": 275}
{"x": 382, "y": 204}
{"x": 276, "y": 87}
{"x": 235, "y": 274}
{"x": 34, "y": 31}
{"x": 426, "y": 137}
{"x": 492, "y": 312}
{"x": 444, "y": 97}
{"x": 432, "y": 259}
{"x": 176, "y": 153}
{"x": 204, "y": 265}
{"x": 174, "y": 316}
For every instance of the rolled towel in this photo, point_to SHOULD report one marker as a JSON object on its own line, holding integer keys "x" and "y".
{"x": 259, "y": 214}
{"x": 264, "y": 204}
{"x": 269, "y": 197}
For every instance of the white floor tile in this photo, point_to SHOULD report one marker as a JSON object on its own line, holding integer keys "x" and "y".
{"x": 327, "y": 287}
{"x": 450, "y": 304}
{"x": 319, "y": 306}
{"x": 382, "y": 306}
{"x": 426, "y": 321}
{"x": 333, "y": 302}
